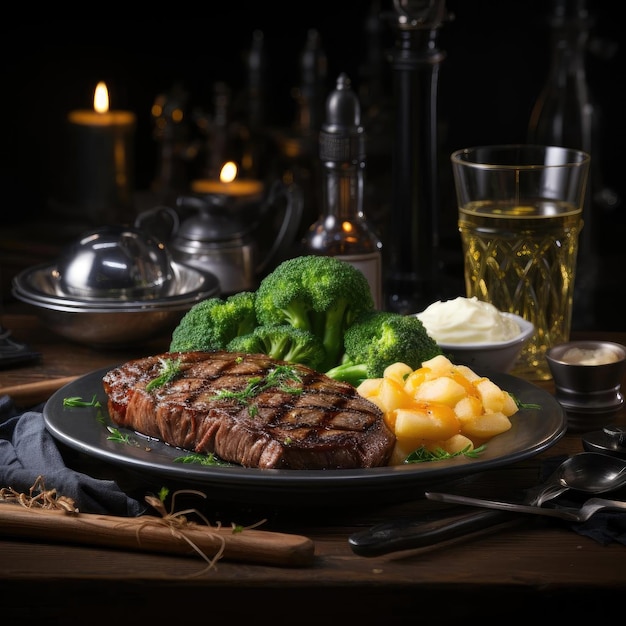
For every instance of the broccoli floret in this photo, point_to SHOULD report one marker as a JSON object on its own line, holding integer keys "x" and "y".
{"x": 380, "y": 339}
{"x": 319, "y": 294}
{"x": 210, "y": 324}
{"x": 282, "y": 342}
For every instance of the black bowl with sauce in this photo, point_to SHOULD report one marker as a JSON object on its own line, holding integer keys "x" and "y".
{"x": 587, "y": 377}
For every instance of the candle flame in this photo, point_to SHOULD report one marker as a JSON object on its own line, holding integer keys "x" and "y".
{"x": 229, "y": 172}
{"x": 101, "y": 98}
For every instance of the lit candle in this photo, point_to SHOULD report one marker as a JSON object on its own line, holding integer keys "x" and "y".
{"x": 102, "y": 155}
{"x": 229, "y": 185}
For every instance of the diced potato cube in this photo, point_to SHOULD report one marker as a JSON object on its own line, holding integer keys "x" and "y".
{"x": 469, "y": 387}
{"x": 428, "y": 422}
{"x": 369, "y": 387}
{"x": 415, "y": 379}
{"x": 443, "y": 390}
{"x": 457, "y": 443}
{"x": 390, "y": 420}
{"x": 397, "y": 371}
{"x": 485, "y": 426}
{"x": 468, "y": 408}
{"x": 491, "y": 395}
{"x": 439, "y": 365}
{"x": 378, "y": 401}
{"x": 391, "y": 394}
{"x": 468, "y": 372}
{"x": 510, "y": 406}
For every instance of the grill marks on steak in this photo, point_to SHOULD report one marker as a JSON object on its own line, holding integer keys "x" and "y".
{"x": 328, "y": 425}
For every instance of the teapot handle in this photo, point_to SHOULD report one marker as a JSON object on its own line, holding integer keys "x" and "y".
{"x": 291, "y": 197}
{"x": 160, "y": 222}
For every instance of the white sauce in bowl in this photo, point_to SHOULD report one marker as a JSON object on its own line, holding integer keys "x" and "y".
{"x": 467, "y": 320}
{"x": 595, "y": 356}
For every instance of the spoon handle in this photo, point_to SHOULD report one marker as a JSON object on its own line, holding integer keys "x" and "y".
{"x": 502, "y": 506}
{"x": 549, "y": 491}
{"x": 594, "y": 505}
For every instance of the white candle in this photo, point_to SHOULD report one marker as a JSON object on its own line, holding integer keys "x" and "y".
{"x": 102, "y": 153}
{"x": 229, "y": 185}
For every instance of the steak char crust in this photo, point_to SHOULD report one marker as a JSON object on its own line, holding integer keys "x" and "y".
{"x": 324, "y": 424}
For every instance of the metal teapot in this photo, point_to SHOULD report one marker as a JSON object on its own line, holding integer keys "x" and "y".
{"x": 237, "y": 241}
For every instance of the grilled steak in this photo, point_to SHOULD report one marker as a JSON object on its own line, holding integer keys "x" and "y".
{"x": 251, "y": 410}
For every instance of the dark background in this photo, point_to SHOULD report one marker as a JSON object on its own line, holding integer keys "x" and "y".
{"x": 497, "y": 55}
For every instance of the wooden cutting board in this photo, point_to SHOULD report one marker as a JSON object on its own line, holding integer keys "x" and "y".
{"x": 156, "y": 534}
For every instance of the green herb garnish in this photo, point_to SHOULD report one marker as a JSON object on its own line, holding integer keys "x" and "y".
{"x": 119, "y": 437}
{"x": 525, "y": 405}
{"x": 201, "y": 459}
{"x": 77, "y": 401}
{"x": 277, "y": 377}
{"x": 170, "y": 368}
{"x": 422, "y": 454}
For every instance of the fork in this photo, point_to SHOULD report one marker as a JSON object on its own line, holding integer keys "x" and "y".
{"x": 572, "y": 514}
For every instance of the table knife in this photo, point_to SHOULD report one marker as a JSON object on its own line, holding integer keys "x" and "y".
{"x": 437, "y": 527}
{"x": 409, "y": 533}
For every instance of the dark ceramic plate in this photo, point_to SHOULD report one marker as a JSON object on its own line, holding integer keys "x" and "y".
{"x": 85, "y": 430}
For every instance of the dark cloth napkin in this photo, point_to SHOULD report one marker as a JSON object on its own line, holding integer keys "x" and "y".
{"x": 605, "y": 526}
{"x": 27, "y": 450}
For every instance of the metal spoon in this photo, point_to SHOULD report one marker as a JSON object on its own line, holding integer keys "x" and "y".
{"x": 586, "y": 471}
{"x": 589, "y": 472}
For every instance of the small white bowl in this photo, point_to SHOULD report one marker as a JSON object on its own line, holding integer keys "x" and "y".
{"x": 491, "y": 357}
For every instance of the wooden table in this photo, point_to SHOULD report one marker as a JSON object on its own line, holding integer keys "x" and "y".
{"x": 526, "y": 569}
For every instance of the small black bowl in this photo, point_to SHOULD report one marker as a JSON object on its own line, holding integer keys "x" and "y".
{"x": 587, "y": 377}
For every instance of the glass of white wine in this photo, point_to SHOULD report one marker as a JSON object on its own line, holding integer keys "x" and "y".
{"x": 520, "y": 215}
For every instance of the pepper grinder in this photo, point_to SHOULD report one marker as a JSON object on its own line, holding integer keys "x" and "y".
{"x": 412, "y": 254}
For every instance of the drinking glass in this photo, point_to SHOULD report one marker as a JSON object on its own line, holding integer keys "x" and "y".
{"x": 520, "y": 215}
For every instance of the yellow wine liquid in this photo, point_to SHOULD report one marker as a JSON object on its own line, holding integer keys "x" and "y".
{"x": 522, "y": 259}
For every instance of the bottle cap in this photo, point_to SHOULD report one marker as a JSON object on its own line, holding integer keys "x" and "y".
{"x": 341, "y": 137}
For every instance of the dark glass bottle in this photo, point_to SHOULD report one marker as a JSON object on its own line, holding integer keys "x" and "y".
{"x": 342, "y": 229}
{"x": 412, "y": 253}
{"x": 171, "y": 132}
{"x": 259, "y": 151}
{"x": 299, "y": 142}
{"x": 563, "y": 115}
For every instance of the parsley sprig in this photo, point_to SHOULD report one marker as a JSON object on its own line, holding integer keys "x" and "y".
{"x": 422, "y": 454}
{"x": 77, "y": 401}
{"x": 201, "y": 459}
{"x": 277, "y": 377}
{"x": 118, "y": 436}
{"x": 170, "y": 368}
{"x": 525, "y": 405}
